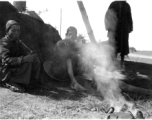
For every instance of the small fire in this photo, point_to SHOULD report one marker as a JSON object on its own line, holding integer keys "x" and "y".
{"x": 107, "y": 74}
{"x": 124, "y": 106}
{"x": 106, "y": 68}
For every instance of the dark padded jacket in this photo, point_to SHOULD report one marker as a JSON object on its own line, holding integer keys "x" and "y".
{"x": 11, "y": 52}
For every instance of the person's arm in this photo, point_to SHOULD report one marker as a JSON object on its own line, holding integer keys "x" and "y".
{"x": 27, "y": 56}
{"x": 70, "y": 70}
{"x": 6, "y": 58}
{"x": 23, "y": 50}
{"x": 74, "y": 83}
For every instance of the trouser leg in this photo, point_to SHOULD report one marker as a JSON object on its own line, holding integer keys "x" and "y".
{"x": 122, "y": 59}
{"x": 36, "y": 69}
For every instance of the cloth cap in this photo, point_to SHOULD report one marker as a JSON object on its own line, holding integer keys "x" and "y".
{"x": 10, "y": 23}
{"x": 71, "y": 28}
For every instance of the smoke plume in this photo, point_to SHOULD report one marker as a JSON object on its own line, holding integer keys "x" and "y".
{"x": 105, "y": 67}
{"x": 106, "y": 71}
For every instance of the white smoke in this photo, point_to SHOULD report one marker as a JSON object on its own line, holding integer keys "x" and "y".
{"x": 105, "y": 67}
{"x": 106, "y": 72}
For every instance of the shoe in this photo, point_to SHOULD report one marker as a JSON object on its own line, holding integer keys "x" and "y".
{"x": 13, "y": 87}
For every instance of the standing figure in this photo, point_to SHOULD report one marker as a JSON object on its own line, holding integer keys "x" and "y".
{"x": 18, "y": 67}
{"x": 118, "y": 22}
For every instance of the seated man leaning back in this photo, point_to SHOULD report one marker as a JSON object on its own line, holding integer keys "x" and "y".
{"x": 18, "y": 67}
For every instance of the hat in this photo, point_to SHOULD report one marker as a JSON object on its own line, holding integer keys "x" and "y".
{"x": 10, "y": 23}
{"x": 71, "y": 28}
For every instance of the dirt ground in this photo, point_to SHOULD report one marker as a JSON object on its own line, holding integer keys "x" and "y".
{"x": 58, "y": 100}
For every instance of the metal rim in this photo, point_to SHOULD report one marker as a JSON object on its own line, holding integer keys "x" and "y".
{"x": 44, "y": 66}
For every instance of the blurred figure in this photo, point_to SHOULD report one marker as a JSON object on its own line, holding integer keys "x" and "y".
{"x": 65, "y": 62}
{"x": 71, "y": 33}
{"x": 18, "y": 67}
{"x": 118, "y": 22}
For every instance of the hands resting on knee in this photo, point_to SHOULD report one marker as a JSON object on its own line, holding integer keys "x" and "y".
{"x": 29, "y": 58}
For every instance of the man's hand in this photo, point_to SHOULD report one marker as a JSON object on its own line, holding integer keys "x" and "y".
{"x": 76, "y": 86}
{"x": 28, "y": 58}
{"x": 34, "y": 54}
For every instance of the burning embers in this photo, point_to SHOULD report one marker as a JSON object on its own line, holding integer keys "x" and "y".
{"x": 124, "y": 113}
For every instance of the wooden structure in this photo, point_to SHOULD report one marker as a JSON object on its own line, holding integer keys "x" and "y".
{"x": 86, "y": 21}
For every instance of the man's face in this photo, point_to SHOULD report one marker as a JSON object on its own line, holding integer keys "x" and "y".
{"x": 14, "y": 32}
{"x": 72, "y": 35}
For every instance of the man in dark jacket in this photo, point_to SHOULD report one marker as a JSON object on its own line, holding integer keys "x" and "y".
{"x": 124, "y": 25}
{"x": 17, "y": 66}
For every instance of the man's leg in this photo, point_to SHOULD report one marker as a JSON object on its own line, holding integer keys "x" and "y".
{"x": 18, "y": 76}
{"x": 35, "y": 76}
{"x": 122, "y": 60}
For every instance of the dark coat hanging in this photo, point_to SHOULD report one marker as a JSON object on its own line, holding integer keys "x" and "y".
{"x": 124, "y": 25}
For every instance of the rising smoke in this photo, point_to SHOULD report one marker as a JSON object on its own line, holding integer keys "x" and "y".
{"x": 106, "y": 68}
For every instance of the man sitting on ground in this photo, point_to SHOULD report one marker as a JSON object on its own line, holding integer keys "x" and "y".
{"x": 17, "y": 66}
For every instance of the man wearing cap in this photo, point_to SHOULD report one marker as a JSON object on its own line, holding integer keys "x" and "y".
{"x": 18, "y": 67}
